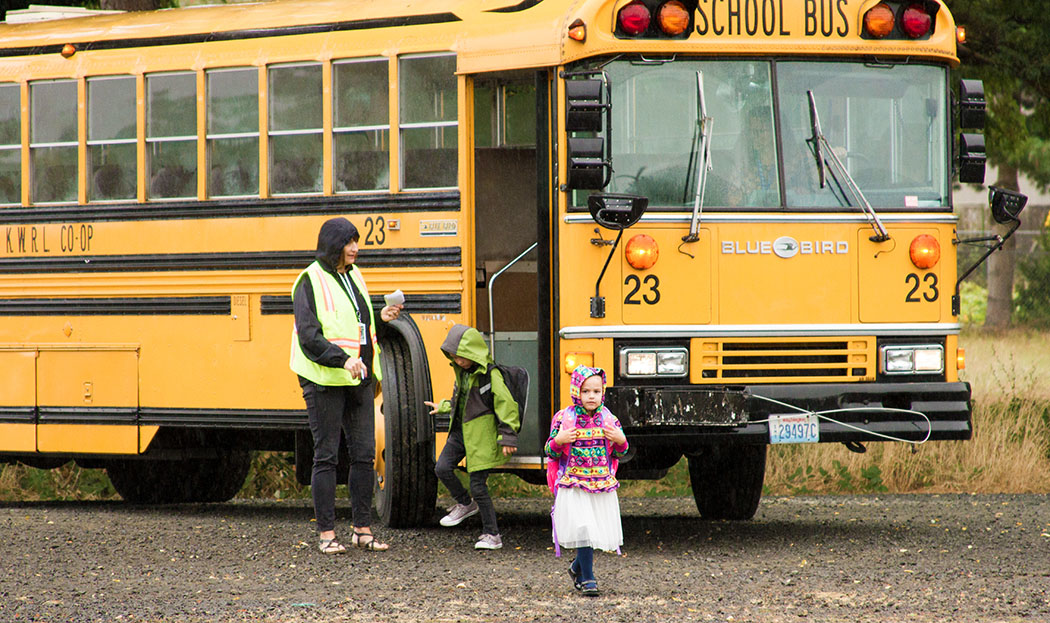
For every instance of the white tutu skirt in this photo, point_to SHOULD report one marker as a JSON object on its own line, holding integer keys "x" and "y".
{"x": 583, "y": 519}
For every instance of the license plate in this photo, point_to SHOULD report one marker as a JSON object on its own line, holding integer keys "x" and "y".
{"x": 794, "y": 429}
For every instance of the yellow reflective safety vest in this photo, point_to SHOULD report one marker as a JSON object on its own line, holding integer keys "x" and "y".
{"x": 339, "y": 325}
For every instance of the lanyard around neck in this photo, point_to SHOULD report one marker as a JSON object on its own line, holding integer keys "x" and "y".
{"x": 350, "y": 292}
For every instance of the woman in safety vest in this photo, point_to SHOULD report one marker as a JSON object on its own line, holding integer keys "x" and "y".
{"x": 335, "y": 354}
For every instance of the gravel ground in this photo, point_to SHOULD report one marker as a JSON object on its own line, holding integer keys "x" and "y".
{"x": 859, "y": 559}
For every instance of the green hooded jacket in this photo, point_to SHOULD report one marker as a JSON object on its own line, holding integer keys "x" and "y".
{"x": 483, "y": 431}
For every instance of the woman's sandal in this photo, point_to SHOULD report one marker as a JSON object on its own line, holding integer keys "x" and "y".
{"x": 331, "y": 546}
{"x": 367, "y": 540}
{"x": 575, "y": 579}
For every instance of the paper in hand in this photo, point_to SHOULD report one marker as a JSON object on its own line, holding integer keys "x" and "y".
{"x": 397, "y": 297}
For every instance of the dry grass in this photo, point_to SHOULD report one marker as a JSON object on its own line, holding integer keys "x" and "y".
{"x": 1009, "y": 452}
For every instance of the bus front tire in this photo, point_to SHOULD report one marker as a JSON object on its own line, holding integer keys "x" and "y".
{"x": 408, "y": 491}
{"x": 727, "y": 480}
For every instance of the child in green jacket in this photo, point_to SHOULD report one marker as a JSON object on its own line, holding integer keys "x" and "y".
{"x": 484, "y": 430}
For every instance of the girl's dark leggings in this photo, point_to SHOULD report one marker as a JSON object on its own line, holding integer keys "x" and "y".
{"x": 583, "y": 564}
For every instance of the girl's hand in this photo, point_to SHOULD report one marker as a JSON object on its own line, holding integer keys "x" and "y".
{"x": 565, "y": 436}
{"x": 433, "y": 406}
{"x": 614, "y": 433}
{"x": 509, "y": 450}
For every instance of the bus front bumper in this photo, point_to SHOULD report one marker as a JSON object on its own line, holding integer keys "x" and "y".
{"x": 848, "y": 411}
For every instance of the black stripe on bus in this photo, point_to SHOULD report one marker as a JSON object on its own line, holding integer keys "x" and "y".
{"x": 145, "y": 306}
{"x": 17, "y": 415}
{"x": 253, "y": 260}
{"x": 234, "y": 208}
{"x": 233, "y": 35}
{"x": 224, "y": 418}
{"x": 521, "y": 6}
{"x": 414, "y": 303}
{"x": 87, "y": 415}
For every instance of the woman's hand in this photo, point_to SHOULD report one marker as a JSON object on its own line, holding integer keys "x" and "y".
{"x": 356, "y": 367}
{"x": 614, "y": 433}
{"x": 391, "y": 312}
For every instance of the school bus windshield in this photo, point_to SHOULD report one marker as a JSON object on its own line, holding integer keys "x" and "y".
{"x": 886, "y": 123}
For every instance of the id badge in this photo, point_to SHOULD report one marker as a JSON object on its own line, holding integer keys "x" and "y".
{"x": 361, "y": 329}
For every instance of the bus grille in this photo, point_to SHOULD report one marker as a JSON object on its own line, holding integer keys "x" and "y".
{"x": 761, "y": 360}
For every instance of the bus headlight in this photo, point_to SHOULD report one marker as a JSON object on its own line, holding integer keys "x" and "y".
{"x": 911, "y": 359}
{"x": 654, "y": 362}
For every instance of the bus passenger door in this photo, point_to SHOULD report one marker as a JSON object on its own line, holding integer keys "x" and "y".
{"x": 505, "y": 219}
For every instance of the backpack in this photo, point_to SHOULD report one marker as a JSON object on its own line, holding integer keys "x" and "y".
{"x": 516, "y": 379}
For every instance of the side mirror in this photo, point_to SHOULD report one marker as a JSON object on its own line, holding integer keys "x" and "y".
{"x": 971, "y": 104}
{"x": 971, "y": 158}
{"x": 617, "y": 212}
{"x": 584, "y": 105}
{"x": 588, "y": 167}
{"x": 1006, "y": 204}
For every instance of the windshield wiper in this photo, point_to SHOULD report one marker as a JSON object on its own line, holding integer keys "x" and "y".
{"x": 825, "y": 154}
{"x": 703, "y": 162}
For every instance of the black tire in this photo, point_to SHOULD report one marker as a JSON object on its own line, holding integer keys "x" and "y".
{"x": 179, "y": 481}
{"x": 406, "y": 490}
{"x": 727, "y": 480}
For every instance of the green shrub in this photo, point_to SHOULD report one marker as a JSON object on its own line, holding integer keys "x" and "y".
{"x": 1032, "y": 302}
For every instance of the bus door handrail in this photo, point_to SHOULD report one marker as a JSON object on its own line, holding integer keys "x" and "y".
{"x": 492, "y": 279}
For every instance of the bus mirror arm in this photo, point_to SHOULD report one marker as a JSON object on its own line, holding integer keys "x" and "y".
{"x": 1006, "y": 207}
{"x": 826, "y": 156}
{"x": 598, "y": 301}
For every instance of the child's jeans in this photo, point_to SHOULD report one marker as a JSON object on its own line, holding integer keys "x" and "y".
{"x": 445, "y": 469}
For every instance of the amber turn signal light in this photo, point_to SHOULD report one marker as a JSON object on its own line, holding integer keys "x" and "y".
{"x": 642, "y": 252}
{"x": 578, "y": 358}
{"x": 925, "y": 251}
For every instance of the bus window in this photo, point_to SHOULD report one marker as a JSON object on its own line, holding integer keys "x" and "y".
{"x": 171, "y": 135}
{"x": 295, "y": 128}
{"x": 885, "y": 123}
{"x": 428, "y": 121}
{"x": 361, "y": 127}
{"x": 53, "y": 143}
{"x": 10, "y": 144}
{"x": 656, "y": 138}
{"x": 233, "y": 131}
{"x": 112, "y": 138}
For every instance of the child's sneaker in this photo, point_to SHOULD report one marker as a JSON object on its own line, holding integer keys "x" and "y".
{"x": 458, "y": 512}
{"x": 489, "y": 541}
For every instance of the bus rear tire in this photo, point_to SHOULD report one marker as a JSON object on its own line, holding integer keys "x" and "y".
{"x": 407, "y": 493}
{"x": 145, "y": 481}
{"x": 727, "y": 480}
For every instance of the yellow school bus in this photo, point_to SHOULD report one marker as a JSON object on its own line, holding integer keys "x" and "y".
{"x": 741, "y": 209}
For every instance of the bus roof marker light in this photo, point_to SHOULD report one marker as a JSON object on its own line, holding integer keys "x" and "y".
{"x": 673, "y": 18}
{"x": 68, "y": 50}
{"x": 879, "y": 20}
{"x": 924, "y": 251}
{"x": 634, "y": 19}
{"x": 916, "y": 21}
{"x": 642, "y": 252}
{"x": 578, "y": 31}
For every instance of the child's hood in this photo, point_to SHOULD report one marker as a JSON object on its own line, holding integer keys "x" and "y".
{"x": 467, "y": 342}
{"x": 581, "y": 374}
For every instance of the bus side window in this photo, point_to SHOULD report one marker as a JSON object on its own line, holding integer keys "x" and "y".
{"x": 171, "y": 135}
{"x": 428, "y": 101}
{"x": 295, "y": 128}
{"x": 53, "y": 130}
{"x": 112, "y": 138}
{"x": 10, "y": 144}
{"x": 233, "y": 131}
{"x": 361, "y": 124}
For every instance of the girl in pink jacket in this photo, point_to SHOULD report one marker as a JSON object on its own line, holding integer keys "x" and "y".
{"x": 585, "y": 444}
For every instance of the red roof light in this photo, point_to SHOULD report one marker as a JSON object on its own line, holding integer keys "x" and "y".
{"x": 915, "y": 21}
{"x": 634, "y": 19}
